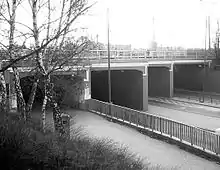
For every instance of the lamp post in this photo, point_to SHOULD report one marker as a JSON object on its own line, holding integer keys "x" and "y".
{"x": 109, "y": 66}
{"x": 207, "y": 27}
{"x": 203, "y": 83}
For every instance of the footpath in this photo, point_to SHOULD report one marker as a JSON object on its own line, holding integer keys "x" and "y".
{"x": 154, "y": 151}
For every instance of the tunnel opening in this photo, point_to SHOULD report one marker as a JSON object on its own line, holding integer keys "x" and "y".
{"x": 126, "y": 87}
{"x": 59, "y": 90}
{"x": 158, "y": 82}
{"x": 26, "y": 86}
{"x": 189, "y": 77}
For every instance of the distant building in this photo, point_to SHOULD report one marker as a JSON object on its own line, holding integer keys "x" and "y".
{"x": 119, "y": 47}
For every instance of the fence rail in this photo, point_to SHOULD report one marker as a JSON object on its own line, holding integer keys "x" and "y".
{"x": 150, "y": 55}
{"x": 194, "y": 136}
{"x": 134, "y": 55}
{"x": 198, "y": 96}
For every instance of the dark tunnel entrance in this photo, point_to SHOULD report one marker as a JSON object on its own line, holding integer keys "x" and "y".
{"x": 26, "y": 85}
{"x": 189, "y": 77}
{"x": 127, "y": 87}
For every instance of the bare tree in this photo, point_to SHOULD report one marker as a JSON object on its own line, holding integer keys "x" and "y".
{"x": 55, "y": 57}
{"x": 10, "y": 20}
{"x": 49, "y": 39}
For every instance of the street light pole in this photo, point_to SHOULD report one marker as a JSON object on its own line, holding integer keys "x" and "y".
{"x": 203, "y": 83}
{"x": 209, "y": 32}
{"x": 109, "y": 66}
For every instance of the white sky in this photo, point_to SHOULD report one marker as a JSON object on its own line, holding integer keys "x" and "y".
{"x": 177, "y": 22}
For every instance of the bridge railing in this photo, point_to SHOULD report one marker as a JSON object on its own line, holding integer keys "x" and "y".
{"x": 134, "y": 55}
{"x": 147, "y": 55}
{"x": 190, "y": 135}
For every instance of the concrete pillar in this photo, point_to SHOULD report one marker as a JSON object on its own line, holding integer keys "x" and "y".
{"x": 12, "y": 95}
{"x": 87, "y": 81}
{"x": 171, "y": 80}
{"x": 145, "y": 89}
{"x": 87, "y": 89}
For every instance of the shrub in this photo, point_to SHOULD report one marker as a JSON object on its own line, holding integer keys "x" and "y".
{"x": 24, "y": 147}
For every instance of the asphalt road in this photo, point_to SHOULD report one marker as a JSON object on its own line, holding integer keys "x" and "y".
{"x": 200, "y": 116}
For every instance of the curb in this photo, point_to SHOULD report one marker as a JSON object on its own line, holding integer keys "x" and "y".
{"x": 196, "y": 103}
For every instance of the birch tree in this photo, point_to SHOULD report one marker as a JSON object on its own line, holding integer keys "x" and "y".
{"x": 11, "y": 7}
{"x": 55, "y": 56}
{"x": 49, "y": 38}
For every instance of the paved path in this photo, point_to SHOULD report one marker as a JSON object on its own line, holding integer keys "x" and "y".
{"x": 157, "y": 152}
{"x": 208, "y": 118}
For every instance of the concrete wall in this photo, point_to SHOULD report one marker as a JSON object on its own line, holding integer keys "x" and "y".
{"x": 158, "y": 81}
{"x": 127, "y": 87}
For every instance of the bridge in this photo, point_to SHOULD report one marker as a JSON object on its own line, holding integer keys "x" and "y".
{"x": 135, "y": 74}
{"x": 129, "y": 56}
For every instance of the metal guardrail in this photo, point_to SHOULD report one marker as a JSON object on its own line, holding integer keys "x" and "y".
{"x": 190, "y": 135}
{"x": 198, "y": 96}
{"x": 150, "y": 55}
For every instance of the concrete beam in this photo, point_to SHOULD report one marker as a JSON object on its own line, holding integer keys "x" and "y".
{"x": 171, "y": 80}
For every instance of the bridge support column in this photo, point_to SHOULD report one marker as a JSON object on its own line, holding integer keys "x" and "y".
{"x": 87, "y": 81}
{"x": 145, "y": 89}
{"x": 171, "y": 80}
{"x": 11, "y": 94}
{"x": 87, "y": 89}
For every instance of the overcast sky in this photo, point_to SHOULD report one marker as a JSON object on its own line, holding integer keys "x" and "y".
{"x": 177, "y": 22}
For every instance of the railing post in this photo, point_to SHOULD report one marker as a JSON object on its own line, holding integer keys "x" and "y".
{"x": 123, "y": 117}
{"x": 218, "y": 144}
{"x": 181, "y": 132}
{"x": 171, "y": 129}
{"x": 145, "y": 121}
{"x": 129, "y": 117}
{"x": 137, "y": 116}
{"x": 203, "y": 139}
{"x": 192, "y": 135}
{"x": 152, "y": 123}
{"x": 160, "y": 125}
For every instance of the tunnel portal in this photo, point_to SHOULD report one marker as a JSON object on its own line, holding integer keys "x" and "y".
{"x": 127, "y": 87}
{"x": 26, "y": 85}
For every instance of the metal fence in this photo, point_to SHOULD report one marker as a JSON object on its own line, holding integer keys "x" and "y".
{"x": 131, "y": 56}
{"x": 198, "y": 96}
{"x": 147, "y": 55}
{"x": 193, "y": 136}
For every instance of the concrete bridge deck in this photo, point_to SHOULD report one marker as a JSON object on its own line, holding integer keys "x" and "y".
{"x": 151, "y": 72}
